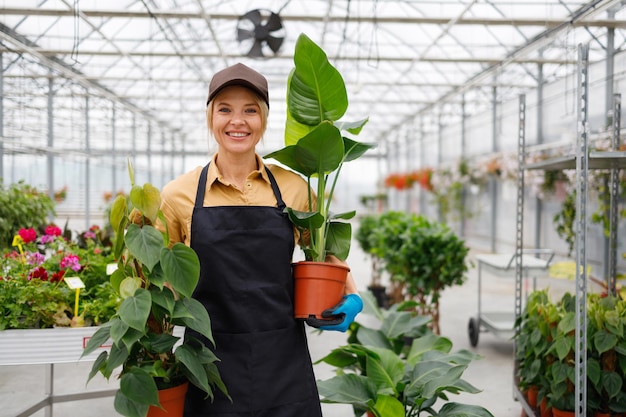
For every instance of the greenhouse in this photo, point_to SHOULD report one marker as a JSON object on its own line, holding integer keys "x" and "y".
{"x": 465, "y": 160}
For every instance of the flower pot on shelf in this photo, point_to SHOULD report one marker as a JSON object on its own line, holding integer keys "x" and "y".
{"x": 562, "y": 413}
{"x": 531, "y": 396}
{"x": 172, "y": 401}
{"x": 544, "y": 409}
{"x": 317, "y": 287}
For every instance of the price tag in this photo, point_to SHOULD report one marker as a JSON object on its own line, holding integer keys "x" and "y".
{"x": 74, "y": 282}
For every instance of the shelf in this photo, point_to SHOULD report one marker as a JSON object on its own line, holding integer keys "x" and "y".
{"x": 597, "y": 160}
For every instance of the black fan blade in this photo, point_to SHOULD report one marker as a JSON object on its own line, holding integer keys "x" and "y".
{"x": 254, "y": 16}
{"x": 257, "y": 49}
{"x": 274, "y": 43}
{"x": 243, "y": 34}
{"x": 274, "y": 23}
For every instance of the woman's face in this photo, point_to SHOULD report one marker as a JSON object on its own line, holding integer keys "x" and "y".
{"x": 236, "y": 120}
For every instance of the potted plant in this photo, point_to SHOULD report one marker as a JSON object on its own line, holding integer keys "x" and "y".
{"x": 365, "y": 238}
{"x": 532, "y": 341}
{"x": 156, "y": 283}
{"x": 315, "y": 148}
{"x": 423, "y": 257}
{"x": 399, "y": 369}
{"x": 606, "y": 357}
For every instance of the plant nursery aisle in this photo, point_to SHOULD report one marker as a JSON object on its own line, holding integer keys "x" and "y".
{"x": 22, "y": 386}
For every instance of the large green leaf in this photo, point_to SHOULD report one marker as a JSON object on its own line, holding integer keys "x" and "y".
{"x": 187, "y": 355}
{"x": 135, "y": 310}
{"x": 140, "y": 387}
{"x": 181, "y": 268}
{"x": 294, "y": 130}
{"x": 354, "y": 149}
{"x": 147, "y": 200}
{"x": 452, "y": 409}
{"x": 118, "y": 211}
{"x": 388, "y": 406}
{"x": 197, "y": 318}
{"x": 126, "y": 407}
{"x": 306, "y": 219}
{"x": 347, "y": 389}
{"x": 99, "y": 337}
{"x": 318, "y": 153}
{"x": 338, "y": 239}
{"x": 144, "y": 243}
{"x": 385, "y": 370}
{"x": 316, "y": 90}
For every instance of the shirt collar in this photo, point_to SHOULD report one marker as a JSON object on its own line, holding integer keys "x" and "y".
{"x": 214, "y": 172}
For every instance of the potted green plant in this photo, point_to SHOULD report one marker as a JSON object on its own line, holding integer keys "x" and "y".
{"x": 365, "y": 238}
{"x": 156, "y": 283}
{"x": 532, "y": 341}
{"x": 316, "y": 148}
{"x": 423, "y": 258}
{"x": 606, "y": 357}
{"x": 400, "y": 369}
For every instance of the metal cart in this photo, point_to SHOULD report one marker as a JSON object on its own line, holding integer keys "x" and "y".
{"x": 503, "y": 265}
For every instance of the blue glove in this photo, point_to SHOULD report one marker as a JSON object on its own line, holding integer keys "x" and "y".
{"x": 340, "y": 316}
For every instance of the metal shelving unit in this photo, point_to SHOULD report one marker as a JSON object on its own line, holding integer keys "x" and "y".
{"x": 583, "y": 160}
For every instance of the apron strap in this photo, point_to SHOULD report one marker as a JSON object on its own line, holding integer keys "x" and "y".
{"x": 202, "y": 187}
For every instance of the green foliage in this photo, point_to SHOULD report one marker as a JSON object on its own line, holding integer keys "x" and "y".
{"x": 21, "y": 206}
{"x": 545, "y": 351}
{"x": 156, "y": 282}
{"x": 315, "y": 147}
{"x": 399, "y": 369}
{"x": 33, "y": 294}
{"x": 423, "y": 257}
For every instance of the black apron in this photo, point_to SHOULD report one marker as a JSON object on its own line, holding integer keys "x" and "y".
{"x": 246, "y": 286}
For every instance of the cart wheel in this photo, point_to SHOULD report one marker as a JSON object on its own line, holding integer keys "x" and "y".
{"x": 472, "y": 330}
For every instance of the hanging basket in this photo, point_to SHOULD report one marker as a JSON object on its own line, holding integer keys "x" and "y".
{"x": 317, "y": 287}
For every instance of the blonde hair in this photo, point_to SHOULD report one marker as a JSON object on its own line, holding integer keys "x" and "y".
{"x": 265, "y": 111}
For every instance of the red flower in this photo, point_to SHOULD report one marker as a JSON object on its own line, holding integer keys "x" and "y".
{"x": 53, "y": 230}
{"x": 57, "y": 276}
{"x": 39, "y": 273}
{"x": 28, "y": 235}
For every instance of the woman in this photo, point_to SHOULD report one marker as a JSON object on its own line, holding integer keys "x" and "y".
{"x": 231, "y": 212}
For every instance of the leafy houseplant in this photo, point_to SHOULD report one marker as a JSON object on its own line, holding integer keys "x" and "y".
{"x": 315, "y": 148}
{"x": 400, "y": 369}
{"x": 365, "y": 238}
{"x": 423, "y": 258}
{"x": 156, "y": 283}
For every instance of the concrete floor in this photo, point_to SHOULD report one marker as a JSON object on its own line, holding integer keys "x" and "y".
{"x": 22, "y": 386}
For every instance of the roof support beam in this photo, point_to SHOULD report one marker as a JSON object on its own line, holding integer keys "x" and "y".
{"x": 548, "y": 23}
{"x": 476, "y": 60}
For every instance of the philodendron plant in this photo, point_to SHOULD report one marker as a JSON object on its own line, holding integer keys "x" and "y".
{"x": 315, "y": 147}
{"x": 400, "y": 369}
{"x": 156, "y": 282}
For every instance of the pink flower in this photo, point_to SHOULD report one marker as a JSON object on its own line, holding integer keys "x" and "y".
{"x": 47, "y": 239}
{"x": 53, "y": 230}
{"x": 71, "y": 261}
{"x": 35, "y": 258}
{"x": 28, "y": 235}
{"x": 89, "y": 235}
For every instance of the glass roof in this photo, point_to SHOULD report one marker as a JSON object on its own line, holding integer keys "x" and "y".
{"x": 144, "y": 66}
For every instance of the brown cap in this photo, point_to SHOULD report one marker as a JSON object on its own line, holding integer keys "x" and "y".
{"x": 238, "y": 74}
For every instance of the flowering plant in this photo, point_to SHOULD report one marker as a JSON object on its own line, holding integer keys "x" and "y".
{"x": 32, "y": 291}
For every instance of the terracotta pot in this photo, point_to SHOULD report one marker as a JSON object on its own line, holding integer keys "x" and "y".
{"x": 531, "y": 396}
{"x": 544, "y": 410}
{"x": 317, "y": 287}
{"x": 561, "y": 413}
{"x": 172, "y": 400}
